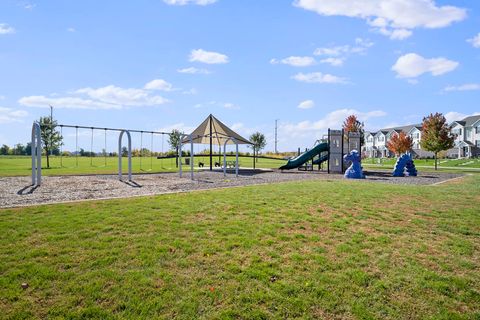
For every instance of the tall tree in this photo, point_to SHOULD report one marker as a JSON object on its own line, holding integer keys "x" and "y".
{"x": 4, "y": 150}
{"x": 51, "y": 138}
{"x": 436, "y": 134}
{"x": 28, "y": 149}
{"x": 400, "y": 143}
{"x": 174, "y": 139}
{"x": 19, "y": 149}
{"x": 259, "y": 141}
{"x": 352, "y": 124}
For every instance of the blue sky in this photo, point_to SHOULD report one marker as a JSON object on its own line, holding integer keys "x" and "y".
{"x": 158, "y": 65}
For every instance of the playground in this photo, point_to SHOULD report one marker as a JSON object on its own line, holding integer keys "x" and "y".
{"x": 17, "y": 191}
{"x": 236, "y": 237}
{"x": 74, "y": 178}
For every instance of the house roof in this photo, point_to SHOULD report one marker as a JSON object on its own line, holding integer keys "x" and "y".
{"x": 384, "y": 132}
{"x": 469, "y": 121}
{"x": 466, "y": 122}
{"x": 462, "y": 123}
{"x": 219, "y": 133}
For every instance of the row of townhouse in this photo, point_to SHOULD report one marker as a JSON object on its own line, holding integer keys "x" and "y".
{"x": 467, "y": 141}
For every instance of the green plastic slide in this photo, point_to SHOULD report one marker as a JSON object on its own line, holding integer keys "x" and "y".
{"x": 304, "y": 157}
{"x": 321, "y": 158}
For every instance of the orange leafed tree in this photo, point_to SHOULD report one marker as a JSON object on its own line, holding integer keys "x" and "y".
{"x": 351, "y": 124}
{"x": 400, "y": 143}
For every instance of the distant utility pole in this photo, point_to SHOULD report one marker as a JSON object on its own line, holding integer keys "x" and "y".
{"x": 276, "y": 140}
{"x": 51, "y": 114}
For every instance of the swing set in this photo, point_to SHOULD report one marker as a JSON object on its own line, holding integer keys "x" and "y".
{"x": 209, "y": 130}
{"x": 144, "y": 166}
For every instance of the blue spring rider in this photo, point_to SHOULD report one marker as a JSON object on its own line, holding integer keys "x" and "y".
{"x": 355, "y": 170}
{"x": 404, "y": 166}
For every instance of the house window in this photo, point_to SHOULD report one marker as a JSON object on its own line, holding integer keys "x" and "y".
{"x": 478, "y": 143}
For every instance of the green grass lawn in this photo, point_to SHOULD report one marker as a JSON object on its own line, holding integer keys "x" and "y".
{"x": 21, "y": 165}
{"x": 457, "y": 163}
{"x": 298, "y": 250}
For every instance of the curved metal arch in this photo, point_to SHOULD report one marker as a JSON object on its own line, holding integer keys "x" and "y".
{"x": 190, "y": 137}
{"x": 129, "y": 155}
{"x": 225, "y": 156}
{"x": 36, "y": 150}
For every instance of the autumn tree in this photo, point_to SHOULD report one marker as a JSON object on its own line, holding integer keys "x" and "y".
{"x": 436, "y": 134}
{"x": 352, "y": 124}
{"x": 400, "y": 143}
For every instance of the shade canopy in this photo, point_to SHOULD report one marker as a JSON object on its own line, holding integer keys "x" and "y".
{"x": 218, "y": 131}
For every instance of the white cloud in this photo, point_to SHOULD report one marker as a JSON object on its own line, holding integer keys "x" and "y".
{"x": 6, "y": 29}
{"x": 193, "y": 70}
{"x": 185, "y": 2}
{"x": 456, "y": 116}
{"x": 230, "y": 105}
{"x": 109, "y": 97}
{"x": 123, "y": 97}
{"x": 318, "y": 77}
{"x": 475, "y": 41}
{"x": 217, "y": 104}
{"x": 413, "y": 65}
{"x": 464, "y": 87}
{"x": 295, "y": 61}
{"x": 65, "y": 103}
{"x": 159, "y": 84}
{"x": 71, "y": 29}
{"x": 9, "y": 115}
{"x": 363, "y": 43}
{"x": 307, "y": 104}
{"x": 182, "y": 127}
{"x": 237, "y": 126}
{"x": 336, "y": 62}
{"x": 332, "y": 51}
{"x": 336, "y": 55}
{"x": 209, "y": 57}
{"x": 394, "y": 18}
{"x": 395, "y": 34}
{"x": 332, "y": 120}
{"x": 29, "y": 6}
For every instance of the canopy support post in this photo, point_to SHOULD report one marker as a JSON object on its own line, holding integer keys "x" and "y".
{"x": 225, "y": 157}
{"x": 211, "y": 158}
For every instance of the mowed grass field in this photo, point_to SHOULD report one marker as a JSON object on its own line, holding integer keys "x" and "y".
{"x": 21, "y": 165}
{"x": 464, "y": 164}
{"x": 299, "y": 250}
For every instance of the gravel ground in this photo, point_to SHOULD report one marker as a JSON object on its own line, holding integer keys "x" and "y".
{"x": 16, "y": 191}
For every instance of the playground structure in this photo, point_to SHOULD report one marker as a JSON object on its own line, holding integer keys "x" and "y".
{"x": 331, "y": 150}
{"x": 217, "y": 131}
{"x": 404, "y": 166}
